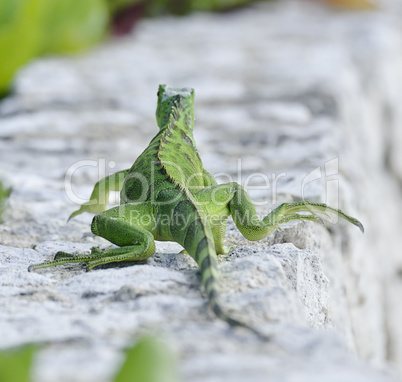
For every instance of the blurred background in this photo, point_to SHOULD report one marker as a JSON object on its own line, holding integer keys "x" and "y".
{"x": 30, "y": 28}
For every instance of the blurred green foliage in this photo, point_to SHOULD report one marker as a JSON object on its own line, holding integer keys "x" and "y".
{"x": 15, "y": 365}
{"x": 156, "y": 7}
{"x": 150, "y": 360}
{"x": 32, "y": 27}
{"x": 4, "y": 194}
{"x": 29, "y": 28}
{"x": 73, "y": 25}
{"x": 118, "y": 5}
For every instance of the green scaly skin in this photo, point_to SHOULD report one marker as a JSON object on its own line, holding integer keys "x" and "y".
{"x": 167, "y": 195}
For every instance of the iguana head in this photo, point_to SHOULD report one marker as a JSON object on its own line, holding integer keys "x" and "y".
{"x": 170, "y": 99}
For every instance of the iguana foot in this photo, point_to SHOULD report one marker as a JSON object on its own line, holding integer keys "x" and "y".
{"x": 290, "y": 211}
{"x": 63, "y": 255}
{"x": 225, "y": 250}
{"x": 66, "y": 258}
{"x": 96, "y": 259}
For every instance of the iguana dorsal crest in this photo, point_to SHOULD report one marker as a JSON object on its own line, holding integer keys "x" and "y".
{"x": 177, "y": 150}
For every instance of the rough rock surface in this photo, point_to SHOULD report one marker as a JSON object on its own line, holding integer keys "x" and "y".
{"x": 291, "y": 99}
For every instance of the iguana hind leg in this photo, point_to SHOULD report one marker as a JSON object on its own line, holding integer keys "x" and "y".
{"x": 136, "y": 243}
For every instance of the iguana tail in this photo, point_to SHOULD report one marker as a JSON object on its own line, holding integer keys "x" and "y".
{"x": 197, "y": 240}
{"x": 203, "y": 252}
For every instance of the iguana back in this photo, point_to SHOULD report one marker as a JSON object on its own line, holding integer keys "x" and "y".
{"x": 173, "y": 171}
{"x": 172, "y": 155}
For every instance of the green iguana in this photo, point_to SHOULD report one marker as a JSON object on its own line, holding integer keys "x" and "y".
{"x": 167, "y": 195}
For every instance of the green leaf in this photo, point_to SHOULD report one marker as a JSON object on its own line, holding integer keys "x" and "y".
{"x": 150, "y": 360}
{"x": 118, "y": 5}
{"x": 32, "y": 27}
{"x": 19, "y": 35}
{"x": 73, "y": 25}
{"x": 15, "y": 365}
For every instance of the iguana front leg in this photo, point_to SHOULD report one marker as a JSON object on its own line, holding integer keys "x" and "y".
{"x": 132, "y": 235}
{"x": 97, "y": 203}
